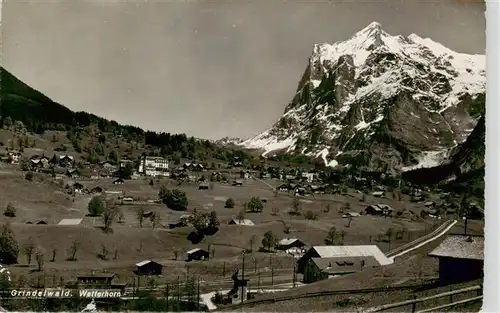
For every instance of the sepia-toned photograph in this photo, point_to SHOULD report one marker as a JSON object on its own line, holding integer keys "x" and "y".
{"x": 242, "y": 156}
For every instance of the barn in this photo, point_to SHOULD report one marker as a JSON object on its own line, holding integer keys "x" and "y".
{"x": 148, "y": 267}
{"x": 198, "y": 254}
{"x": 461, "y": 258}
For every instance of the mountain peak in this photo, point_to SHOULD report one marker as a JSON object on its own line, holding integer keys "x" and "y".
{"x": 373, "y": 29}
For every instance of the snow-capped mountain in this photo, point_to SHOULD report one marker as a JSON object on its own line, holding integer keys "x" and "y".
{"x": 381, "y": 101}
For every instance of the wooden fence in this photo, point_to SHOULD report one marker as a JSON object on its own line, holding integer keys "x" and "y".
{"x": 414, "y": 302}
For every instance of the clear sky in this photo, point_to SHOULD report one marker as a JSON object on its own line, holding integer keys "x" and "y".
{"x": 207, "y": 68}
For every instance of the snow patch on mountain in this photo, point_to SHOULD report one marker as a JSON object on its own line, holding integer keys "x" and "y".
{"x": 429, "y": 159}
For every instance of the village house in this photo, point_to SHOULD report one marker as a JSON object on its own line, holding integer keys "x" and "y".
{"x": 237, "y": 183}
{"x": 148, "y": 267}
{"x": 323, "y": 268}
{"x": 204, "y": 186}
{"x": 197, "y": 254}
{"x": 284, "y": 187}
{"x": 378, "y": 194}
{"x": 73, "y": 173}
{"x": 154, "y": 166}
{"x": 14, "y": 156}
{"x": 288, "y": 243}
{"x": 379, "y": 209}
{"x": 245, "y": 174}
{"x": 77, "y": 187}
{"x": 342, "y": 252}
{"x": 265, "y": 175}
{"x": 118, "y": 181}
{"x": 125, "y": 162}
{"x": 309, "y": 177}
{"x": 65, "y": 160}
{"x": 461, "y": 258}
{"x": 243, "y": 222}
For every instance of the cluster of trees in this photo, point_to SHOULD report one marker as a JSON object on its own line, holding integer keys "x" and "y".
{"x": 174, "y": 199}
{"x": 108, "y": 212}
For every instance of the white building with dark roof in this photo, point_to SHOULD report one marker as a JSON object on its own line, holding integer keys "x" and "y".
{"x": 154, "y": 166}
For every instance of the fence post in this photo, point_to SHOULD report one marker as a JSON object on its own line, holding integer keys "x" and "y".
{"x": 414, "y": 305}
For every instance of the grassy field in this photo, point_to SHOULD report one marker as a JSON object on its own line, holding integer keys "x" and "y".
{"x": 46, "y": 199}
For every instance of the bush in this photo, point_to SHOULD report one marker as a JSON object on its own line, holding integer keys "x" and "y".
{"x": 310, "y": 215}
{"x": 29, "y": 176}
{"x": 255, "y": 205}
{"x": 10, "y": 210}
{"x": 229, "y": 203}
{"x": 96, "y": 206}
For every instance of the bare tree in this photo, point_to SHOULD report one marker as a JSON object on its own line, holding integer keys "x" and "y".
{"x": 39, "y": 256}
{"x": 275, "y": 211}
{"x": 296, "y": 206}
{"x": 104, "y": 252}
{"x": 155, "y": 220}
{"x": 74, "y": 249}
{"x": 241, "y": 215}
{"x": 342, "y": 234}
{"x": 121, "y": 217}
{"x": 176, "y": 254}
{"x": 252, "y": 242}
{"x": 28, "y": 248}
{"x": 54, "y": 252}
{"x": 331, "y": 237}
{"x": 140, "y": 216}
{"x": 108, "y": 216}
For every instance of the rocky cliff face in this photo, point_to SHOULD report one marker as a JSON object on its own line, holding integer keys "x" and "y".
{"x": 380, "y": 101}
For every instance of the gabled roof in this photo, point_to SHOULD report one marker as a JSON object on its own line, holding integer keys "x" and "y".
{"x": 352, "y": 251}
{"x": 287, "y": 241}
{"x": 142, "y": 263}
{"x": 461, "y": 247}
{"x": 70, "y": 221}
{"x": 195, "y": 250}
{"x": 244, "y": 221}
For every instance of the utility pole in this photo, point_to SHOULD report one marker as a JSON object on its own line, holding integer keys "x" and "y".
{"x": 258, "y": 281}
{"x": 465, "y": 226}
{"x": 294, "y": 275}
{"x": 168, "y": 295}
{"x": 178, "y": 290}
{"x": 224, "y": 270}
{"x": 198, "y": 295}
{"x": 272, "y": 270}
{"x": 242, "y": 275}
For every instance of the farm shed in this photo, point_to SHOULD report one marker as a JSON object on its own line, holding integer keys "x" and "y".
{"x": 148, "y": 267}
{"x": 287, "y": 243}
{"x": 461, "y": 258}
{"x": 342, "y": 251}
{"x": 378, "y": 209}
{"x": 198, "y": 254}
